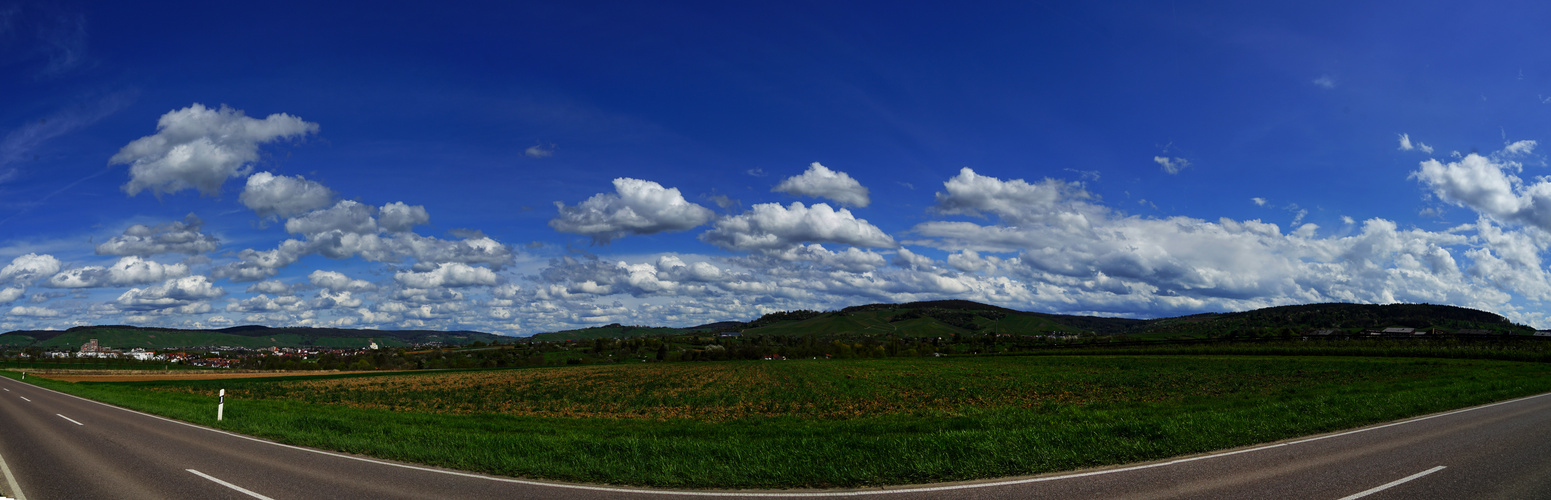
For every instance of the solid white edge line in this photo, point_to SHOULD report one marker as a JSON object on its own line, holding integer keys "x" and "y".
{"x": 881, "y": 491}
{"x": 70, "y": 419}
{"x": 1391, "y": 484}
{"x": 229, "y": 485}
{"x": 10, "y": 480}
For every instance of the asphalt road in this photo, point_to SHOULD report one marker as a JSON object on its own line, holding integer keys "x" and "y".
{"x": 57, "y": 446}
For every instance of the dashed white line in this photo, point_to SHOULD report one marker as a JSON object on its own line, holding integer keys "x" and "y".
{"x": 229, "y": 485}
{"x": 70, "y": 419}
{"x": 24, "y": 398}
{"x": 1391, "y": 484}
{"x": 10, "y": 480}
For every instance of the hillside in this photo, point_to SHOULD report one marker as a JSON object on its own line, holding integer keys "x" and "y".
{"x": 126, "y": 337}
{"x": 962, "y": 317}
{"x": 941, "y": 318}
{"x": 1299, "y": 319}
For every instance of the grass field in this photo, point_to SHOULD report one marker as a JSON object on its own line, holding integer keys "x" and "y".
{"x": 830, "y": 423}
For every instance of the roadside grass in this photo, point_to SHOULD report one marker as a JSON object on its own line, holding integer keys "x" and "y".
{"x": 839, "y": 423}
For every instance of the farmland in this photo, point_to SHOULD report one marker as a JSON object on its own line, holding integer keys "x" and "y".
{"x": 830, "y": 422}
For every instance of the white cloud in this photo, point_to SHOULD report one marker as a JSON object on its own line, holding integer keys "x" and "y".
{"x": 173, "y": 237}
{"x": 399, "y": 217}
{"x": 1259, "y": 202}
{"x": 540, "y": 150}
{"x": 447, "y": 274}
{"x": 37, "y": 312}
{"x": 821, "y": 182}
{"x": 1325, "y": 82}
{"x": 337, "y": 281}
{"x": 130, "y": 270}
{"x": 10, "y": 294}
{"x": 971, "y": 194}
{"x": 770, "y": 226}
{"x": 263, "y": 303}
{"x": 283, "y": 196}
{"x": 337, "y": 298}
{"x": 1484, "y": 184}
{"x": 185, "y": 294}
{"x": 1171, "y": 165}
{"x": 199, "y": 148}
{"x": 1520, "y": 148}
{"x": 347, "y": 216}
{"x": 26, "y": 269}
{"x": 636, "y": 207}
{"x": 269, "y": 286}
{"x": 911, "y": 260}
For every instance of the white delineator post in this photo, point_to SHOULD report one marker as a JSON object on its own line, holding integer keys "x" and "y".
{"x": 220, "y": 408}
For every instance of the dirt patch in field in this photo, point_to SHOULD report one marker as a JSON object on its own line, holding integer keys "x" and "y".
{"x": 143, "y": 376}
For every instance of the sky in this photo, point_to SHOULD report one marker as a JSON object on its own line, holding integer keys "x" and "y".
{"x": 523, "y": 167}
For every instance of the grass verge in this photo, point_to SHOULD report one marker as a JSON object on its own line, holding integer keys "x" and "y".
{"x": 797, "y": 424}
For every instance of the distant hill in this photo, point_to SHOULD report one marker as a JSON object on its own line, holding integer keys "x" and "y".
{"x": 948, "y": 317}
{"x": 1337, "y": 316}
{"x": 126, "y": 337}
{"x": 915, "y": 319}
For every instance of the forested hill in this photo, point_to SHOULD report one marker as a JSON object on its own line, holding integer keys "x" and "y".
{"x": 1338, "y": 316}
{"x": 914, "y": 319}
{"x": 962, "y": 317}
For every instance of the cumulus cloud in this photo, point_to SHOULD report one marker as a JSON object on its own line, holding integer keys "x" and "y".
{"x": 636, "y": 207}
{"x": 185, "y": 294}
{"x": 269, "y": 286}
{"x": 1171, "y": 165}
{"x": 26, "y": 269}
{"x": 347, "y": 216}
{"x": 398, "y": 217}
{"x": 821, "y": 182}
{"x": 1016, "y": 201}
{"x": 447, "y": 274}
{"x": 1259, "y": 202}
{"x": 770, "y": 226}
{"x": 34, "y": 311}
{"x": 262, "y": 303}
{"x": 329, "y": 299}
{"x": 337, "y": 281}
{"x": 269, "y": 194}
{"x": 1487, "y": 184}
{"x": 173, "y": 237}
{"x": 10, "y": 294}
{"x": 199, "y": 148}
{"x": 131, "y": 270}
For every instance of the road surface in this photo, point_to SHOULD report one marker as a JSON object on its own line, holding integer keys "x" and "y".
{"x": 57, "y": 446}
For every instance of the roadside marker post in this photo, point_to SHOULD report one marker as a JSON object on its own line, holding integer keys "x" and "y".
{"x": 220, "y": 408}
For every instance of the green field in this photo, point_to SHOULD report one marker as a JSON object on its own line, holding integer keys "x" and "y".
{"x": 817, "y": 423}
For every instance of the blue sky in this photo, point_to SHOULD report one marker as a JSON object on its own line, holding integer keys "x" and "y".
{"x": 526, "y": 167}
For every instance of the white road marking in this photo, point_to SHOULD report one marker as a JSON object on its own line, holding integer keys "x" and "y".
{"x": 10, "y": 480}
{"x": 24, "y": 398}
{"x": 70, "y": 419}
{"x": 229, "y": 485}
{"x": 881, "y": 491}
{"x": 1392, "y": 484}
